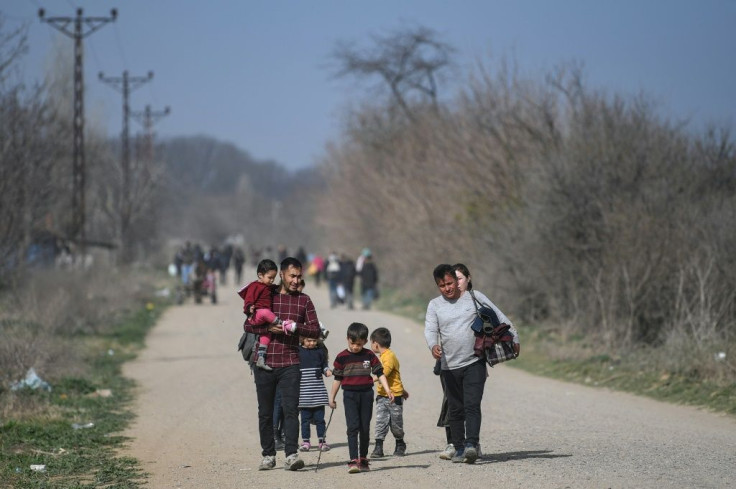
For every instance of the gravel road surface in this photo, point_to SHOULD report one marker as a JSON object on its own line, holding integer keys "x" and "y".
{"x": 197, "y": 423}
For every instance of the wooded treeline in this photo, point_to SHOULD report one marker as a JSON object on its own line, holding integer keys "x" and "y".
{"x": 569, "y": 205}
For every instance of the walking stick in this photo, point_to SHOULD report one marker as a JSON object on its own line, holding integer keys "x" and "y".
{"x": 325, "y": 437}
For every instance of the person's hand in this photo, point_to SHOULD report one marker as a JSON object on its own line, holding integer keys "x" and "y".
{"x": 437, "y": 352}
{"x": 391, "y": 396}
{"x": 251, "y": 309}
{"x": 275, "y": 328}
{"x": 405, "y": 395}
{"x": 333, "y": 404}
{"x": 517, "y": 349}
{"x": 328, "y": 373}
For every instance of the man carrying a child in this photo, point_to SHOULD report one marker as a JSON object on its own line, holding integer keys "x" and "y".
{"x": 283, "y": 354}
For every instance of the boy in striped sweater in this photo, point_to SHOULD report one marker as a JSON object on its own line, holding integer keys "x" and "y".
{"x": 353, "y": 371}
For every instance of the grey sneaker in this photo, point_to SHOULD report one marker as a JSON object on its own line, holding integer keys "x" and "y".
{"x": 471, "y": 454}
{"x": 459, "y": 457}
{"x": 268, "y": 462}
{"x": 293, "y": 462}
{"x": 448, "y": 452}
{"x": 480, "y": 454}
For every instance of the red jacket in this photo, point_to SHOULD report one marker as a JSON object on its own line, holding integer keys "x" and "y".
{"x": 257, "y": 294}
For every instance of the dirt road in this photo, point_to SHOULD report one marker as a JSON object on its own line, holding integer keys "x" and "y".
{"x": 197, "y": 420}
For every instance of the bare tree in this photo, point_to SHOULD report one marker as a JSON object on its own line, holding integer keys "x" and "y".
{"x": 409, "y": 62}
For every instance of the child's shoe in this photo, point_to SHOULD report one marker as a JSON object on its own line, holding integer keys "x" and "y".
{"x": 400, "y": 449}
{"x": 378, "y": 450}
{"x": 288, "y": 326}
{"x": 354, "y": 467}
{"x": 305, "y": 446}
{"x": 364, "y": 467}
{"x": 324, "y": 447}
{"x": 261, "y": 363}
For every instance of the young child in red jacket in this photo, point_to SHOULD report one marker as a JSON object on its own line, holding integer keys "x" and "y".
{"x": 257, "y": 303}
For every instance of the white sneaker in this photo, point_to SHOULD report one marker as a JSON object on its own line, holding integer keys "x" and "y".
{"x": 268, "y": 462}
{"x": 293, "y": 462}
{"x": 448, "y": 452}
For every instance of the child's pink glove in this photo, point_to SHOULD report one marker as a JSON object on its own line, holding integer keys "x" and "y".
{"x": 289, "y": 326}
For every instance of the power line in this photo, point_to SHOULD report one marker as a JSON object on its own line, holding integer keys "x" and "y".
{"x": 125, "y": 84}
{"x": 78, "y": 28}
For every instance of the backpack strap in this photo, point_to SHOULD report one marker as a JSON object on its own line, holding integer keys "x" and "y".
{"x": 492, "y": 313}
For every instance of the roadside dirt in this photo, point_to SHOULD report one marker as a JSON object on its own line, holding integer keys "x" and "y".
{"x": 197, "y": 421}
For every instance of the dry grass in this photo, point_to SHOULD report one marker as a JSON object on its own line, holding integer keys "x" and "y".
{"x": 42, "y": 319}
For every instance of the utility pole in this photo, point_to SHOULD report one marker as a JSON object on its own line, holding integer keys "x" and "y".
{"x": 147, "y": 118}
{"x": 82, "y": 27}
{"x": 125, "y": 84}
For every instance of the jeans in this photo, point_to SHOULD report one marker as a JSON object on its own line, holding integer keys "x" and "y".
{"x": 286, "y": 379}
{"x": 464, "y": 388}
{"x": 332, "y": 285}
{"x": 186, "y": 271}
{"x": 358, "y": 412}
{"x": 316, "y": 414}
{"x": 368, "y": 295}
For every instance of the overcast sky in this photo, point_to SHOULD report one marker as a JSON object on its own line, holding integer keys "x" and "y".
{"x": 254, "y": 72}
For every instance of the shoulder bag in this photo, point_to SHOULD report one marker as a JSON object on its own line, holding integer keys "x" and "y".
{"x": 493, "y": 339}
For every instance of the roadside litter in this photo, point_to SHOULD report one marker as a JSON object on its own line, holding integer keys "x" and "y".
{"x": 32, "y": 381}
{"x": 78, "y": 426}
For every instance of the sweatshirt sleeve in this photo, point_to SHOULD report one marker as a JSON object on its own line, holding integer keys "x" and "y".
{"x": 431, "y": 326}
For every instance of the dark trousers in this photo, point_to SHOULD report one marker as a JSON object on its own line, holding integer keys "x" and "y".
{"x": 287, "y": 381}
{"x": 358, "y": 412}
{"x": 310, "y": 414}
{"x": 464, "y": 389}
{"x": 278, "y": 416}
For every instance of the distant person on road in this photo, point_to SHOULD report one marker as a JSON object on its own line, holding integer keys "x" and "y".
{"x": 283, "y": 358}
{"x": 238, "y": 262}
{"x": 368, "y": 281}
{"x": 257, "y": 305}
{"x": 447, "y": 330}
{"x": 347, "y": 278}
{"x": 187, "y": 263}
{"x": 332, "y": 274}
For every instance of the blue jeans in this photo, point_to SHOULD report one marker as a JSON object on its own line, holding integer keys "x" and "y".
{"x": 332, "y": 285}
{"x": 316, "y": 414}
{"x": 358, "y": 412}
{"x": 286, "y": 379}
{"x": 464, "y": 389}
{"x": 368, "y": 295}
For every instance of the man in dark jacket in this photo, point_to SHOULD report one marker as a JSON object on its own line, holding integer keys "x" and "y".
{"x": 368, "y": 281}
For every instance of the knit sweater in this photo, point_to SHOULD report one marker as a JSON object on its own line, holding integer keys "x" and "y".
{"x": 354, "y": 370}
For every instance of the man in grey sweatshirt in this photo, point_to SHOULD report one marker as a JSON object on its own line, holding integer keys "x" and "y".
{"x": 449, "y": 337}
